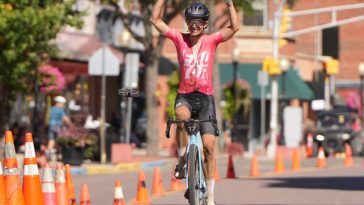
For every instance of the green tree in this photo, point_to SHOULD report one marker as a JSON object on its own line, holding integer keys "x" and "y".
{"x": 26, "y": 31}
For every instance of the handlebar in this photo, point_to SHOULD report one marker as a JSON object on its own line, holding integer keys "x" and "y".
{"x": 190, "y": 121}
{"x": 127, "y": 92}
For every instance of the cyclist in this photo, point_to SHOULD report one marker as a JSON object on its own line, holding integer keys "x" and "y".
{"x": 195, "y": 51}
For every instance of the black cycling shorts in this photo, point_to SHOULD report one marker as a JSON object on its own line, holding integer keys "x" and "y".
{"x": 201, "y": 106}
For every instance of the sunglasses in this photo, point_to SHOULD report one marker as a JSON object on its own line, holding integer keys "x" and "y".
{"x": 197, "y": 22}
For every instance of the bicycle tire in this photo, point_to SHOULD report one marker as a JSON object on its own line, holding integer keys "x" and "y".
{"x": 193, "y": 176}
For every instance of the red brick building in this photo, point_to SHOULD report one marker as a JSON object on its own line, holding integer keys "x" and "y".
{"x": 344, "y": 43}
{"x": 254, "y": 41}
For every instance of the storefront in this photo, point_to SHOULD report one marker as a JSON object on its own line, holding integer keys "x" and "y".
{"x": 291, "y": 86}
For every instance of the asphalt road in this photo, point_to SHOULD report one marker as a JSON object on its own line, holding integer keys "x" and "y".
{"x": 336, "y": 184}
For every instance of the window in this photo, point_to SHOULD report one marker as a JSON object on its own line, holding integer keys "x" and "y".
{"x": 330, "y": 42}
{"x": 254, "y": 20}
{"x": 259, "y": 16}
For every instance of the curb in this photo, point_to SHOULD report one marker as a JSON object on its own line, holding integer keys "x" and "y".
{"x": 112, "y": 169}
{"x": 78, "y": 171}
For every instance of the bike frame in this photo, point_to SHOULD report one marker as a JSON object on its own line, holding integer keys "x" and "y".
{"x": 194, "y": 134}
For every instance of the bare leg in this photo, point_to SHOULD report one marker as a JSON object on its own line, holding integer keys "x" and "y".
{"x": 182, "y": 113}
{"x": 51, "y": 152}
{"x": 51, "y": 144}
{"x": 208, "y": 141}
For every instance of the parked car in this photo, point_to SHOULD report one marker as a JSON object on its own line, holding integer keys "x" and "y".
{"x": 335, "y": 128}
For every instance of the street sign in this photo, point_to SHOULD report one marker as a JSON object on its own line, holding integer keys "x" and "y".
{"x": 318, "y": 104}
{"x": 293, "y": 130}
{"x": 103, "y": 61}
{"x": 131, "y": 70}
{"x": 262, "y": 78}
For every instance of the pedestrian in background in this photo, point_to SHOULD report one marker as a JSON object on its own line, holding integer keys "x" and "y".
{"x": 57, "y": 118}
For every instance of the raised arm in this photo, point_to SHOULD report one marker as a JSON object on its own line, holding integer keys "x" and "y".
{"x": 234, "y": 27}
{"x": 156, "y": 20}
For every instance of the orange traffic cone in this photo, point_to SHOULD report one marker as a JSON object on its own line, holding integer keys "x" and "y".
{"x": 48, "y": 188}
{"x": 254, "y": 169}
{"x": 118, "y": 194}
{"x": 176, "y": 184}
{"x": 70, "y": 186}
{"x": 85, "y": 196}
{"x": 230, "y": 174}
{"x": 158, "y": 189}
{"x": 32, "y": 187}
{"x": 11, "y": 173}
{"x": 309, "y": 145}
{"x": 142, "y": 192}
{"x": 279, "y": 167}
{"x": 348, "y": 156}
{"x": 3, "y": 197}
{"x": 296, "y": 164}
{"x": 217, "y": 174}
{"x": 321, "y": 162}
{"x": 61, "y": 188}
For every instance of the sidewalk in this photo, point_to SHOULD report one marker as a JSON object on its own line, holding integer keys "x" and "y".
{"x": 140, "y": 160}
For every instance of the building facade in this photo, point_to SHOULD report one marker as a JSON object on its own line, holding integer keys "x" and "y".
{"x": 254, "y": 42}
{"x": 305, "y": 51}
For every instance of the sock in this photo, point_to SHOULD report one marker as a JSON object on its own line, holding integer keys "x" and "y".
{"x": 210, "y": 186}
{"x": 181, "y": 151}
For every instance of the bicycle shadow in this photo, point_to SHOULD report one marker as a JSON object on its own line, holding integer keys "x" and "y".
{"x": 223, "y": 204}
{"x": 352, "y": 183}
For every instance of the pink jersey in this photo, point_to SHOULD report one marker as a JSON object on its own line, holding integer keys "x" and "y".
{"x": 196, "y": 72}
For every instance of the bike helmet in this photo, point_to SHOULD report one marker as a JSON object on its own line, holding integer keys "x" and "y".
{"x": 197, "y": 11}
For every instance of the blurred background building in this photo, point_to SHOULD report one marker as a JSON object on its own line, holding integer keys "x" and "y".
{"x": 300, "y": 84}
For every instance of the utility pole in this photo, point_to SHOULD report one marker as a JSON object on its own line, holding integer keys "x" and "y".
{"x": 277, "y": 16}
{"x": 272, "y": 147}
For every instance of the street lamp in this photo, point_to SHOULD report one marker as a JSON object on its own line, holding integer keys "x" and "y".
{"x": 124, "y": 38}
{"x": 271, "y": 149}
{"x": 235, "y": 57}
{"x": 235, "y": 60}
{"x": 284, "y": 64}
{"x": 361, "y": 89}
{"x": 125, "y": 128}
{"x": 131, "y": 71}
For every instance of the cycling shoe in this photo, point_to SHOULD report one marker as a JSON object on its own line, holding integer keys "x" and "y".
{"x": 180, "y": 171}
{"x": 187, "y": 194}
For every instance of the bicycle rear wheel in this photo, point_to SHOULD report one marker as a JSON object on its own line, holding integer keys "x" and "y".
{"x": 193, "y": 176}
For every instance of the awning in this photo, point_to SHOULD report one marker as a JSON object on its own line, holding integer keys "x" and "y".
{"x": 294, "y": 86}
{"x": 80, "y": 47}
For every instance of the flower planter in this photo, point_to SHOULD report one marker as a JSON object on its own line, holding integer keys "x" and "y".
{"x": 72, "y": 155}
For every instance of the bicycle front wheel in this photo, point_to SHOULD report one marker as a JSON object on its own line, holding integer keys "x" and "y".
{"x": 193, "y": 176}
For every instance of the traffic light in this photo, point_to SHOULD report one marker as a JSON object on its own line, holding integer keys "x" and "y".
{"x": 266, "y": 63}
{"x": 274, "y": 68}
{"x": 271, "y": 66}
{"x": 286, "y": 24}
{"x": 331, "y": 66}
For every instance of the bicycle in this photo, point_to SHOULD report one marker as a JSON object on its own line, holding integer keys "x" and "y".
{"x": 129, "y": 92}
{"x": 195, "y": 179}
